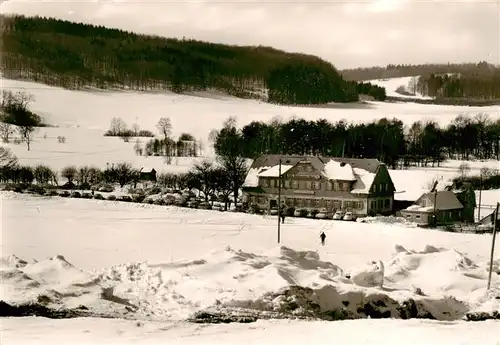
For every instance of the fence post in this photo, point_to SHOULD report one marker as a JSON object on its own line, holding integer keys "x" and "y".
{"x": 495, "y": 225}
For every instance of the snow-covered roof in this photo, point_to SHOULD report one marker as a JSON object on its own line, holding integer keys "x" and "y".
{"x": 419, "y": 208}
{"x": 361, "y": 171}
{"x": 363, "y": 182}
{"x": 334, "y": 170}
{"x": 445, "y": 200}
{"x": 252, "y": 179}
{"x": 274, "y": 171}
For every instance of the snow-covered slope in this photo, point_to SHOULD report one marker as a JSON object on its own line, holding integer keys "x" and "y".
{"x": 83, "y": 117}
{"x": 405, "y": 84}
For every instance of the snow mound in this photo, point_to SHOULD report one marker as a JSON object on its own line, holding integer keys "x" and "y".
{"x": 388, "y": 220}
{"x": 436, "y": 282}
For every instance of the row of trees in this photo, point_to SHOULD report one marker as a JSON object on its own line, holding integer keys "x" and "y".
{"x": 388, "y": 140}
{"x": 84, "y": 176}
{"x": 460, "y": 86}
{"x": 185, "y": 146}
{"x": 15, "y": 115}
{"x": 119, "y": 128}
{"x": 221, "y": 178}
{"x": 76, "y": 56}
{"x": 478, "y": 81}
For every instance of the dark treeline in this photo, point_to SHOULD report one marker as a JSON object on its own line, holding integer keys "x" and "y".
{"x": 390, "y": 141}
{"x": 479, "y": 81}
{"x": 76, "y": 56}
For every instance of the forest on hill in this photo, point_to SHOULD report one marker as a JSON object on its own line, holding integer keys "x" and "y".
{"x": 475, "y": 81}
{"x": 79, "y": 56}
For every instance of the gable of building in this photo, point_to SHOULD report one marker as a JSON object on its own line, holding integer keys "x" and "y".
{"x": 382, "y": 182}
{"x": 440, "y": 201}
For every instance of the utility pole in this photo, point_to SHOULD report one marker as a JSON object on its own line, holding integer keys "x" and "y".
{"x": 279, "y": 200}
{"x": 495, "y": 225}
{"x": 435, "y": 204}
{"x": 480, "y": 191}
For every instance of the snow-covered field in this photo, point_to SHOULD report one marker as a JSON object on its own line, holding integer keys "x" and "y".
{"x": 39, "y": 331}
{"x": 167, "y": 262}
{"x": 83, "y": 117}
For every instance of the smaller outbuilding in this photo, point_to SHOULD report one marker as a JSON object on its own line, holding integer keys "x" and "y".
{"x": 436, "y": 208}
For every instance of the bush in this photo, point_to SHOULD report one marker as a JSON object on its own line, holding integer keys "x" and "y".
{"x": 35, "y": 189}
{"x": 111, "y": 198}
{"x": 98, "y": 196}
{"x": 76, "y": 194}
{"x": 84, "y": 186}
{"x": 486, "y": 183}
{"x": 145, "y": 133}
{"x": 69, "y": 185}
{"x": 159, "y": 202}
{"x": 64, "y": 194}
{"x": 87, "y": 195}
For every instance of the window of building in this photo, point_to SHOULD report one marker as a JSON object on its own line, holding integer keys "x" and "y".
{"x": 338, "y": 186}
{"x": 271, "y": 183}
{"x": 329, "y": 185}
{"x": 380, "y": 204}
{"x": 317, "y": 185}
{"x": 309, "y": 168}
{"x": 295, "y": 184}
{"x": 317, "y": 202}
{"x": 265, "y": 182}
{"x": 360, "y": 205}
{"x": 345, "y": 186}
{"x": 374, "y": 188}
{"x": 386, "y": 187}
{"x": 287, "y": 183}
{"x": 387, "y": 203}
{"x": 451, "y": 215}
{"x": 308, "y": 184}
{"x": 460, "y": 213}
{"x": 417, "y": 216}
{"x": 373, "y": 205}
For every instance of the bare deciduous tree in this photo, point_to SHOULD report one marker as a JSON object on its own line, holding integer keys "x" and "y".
{"x": 69, "y": 173}
{"x": 7, "y": 158}
{"x": 164, "y": 126}
{"x": 117, "y": 127}
{"x": 6, "y": 130}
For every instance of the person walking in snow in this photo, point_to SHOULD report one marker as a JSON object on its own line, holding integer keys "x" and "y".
{"x": 282, "y": 218}
{"x": 322, "y": 237}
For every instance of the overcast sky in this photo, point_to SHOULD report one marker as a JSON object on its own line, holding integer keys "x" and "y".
{"x": 347, "y": 33}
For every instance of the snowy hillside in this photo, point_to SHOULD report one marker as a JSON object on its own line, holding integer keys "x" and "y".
{"x": 405, "y": 84}
{"x": 83, "y": 117}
